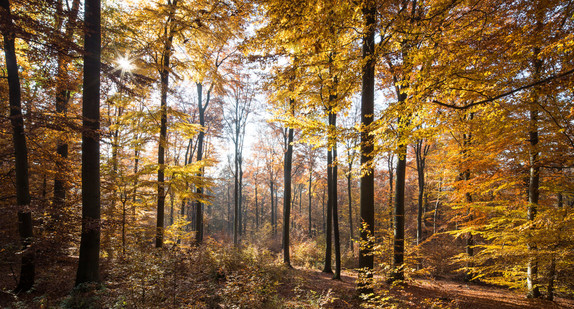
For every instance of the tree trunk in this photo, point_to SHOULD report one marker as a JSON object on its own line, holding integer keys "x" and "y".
{"x": 240, "y": 195}
{"x": 62, "y": 98}
{"x": 332, "y": 200}
{"x": 552, "y": 270}
{"x": 350, "y": 198}
{"x": 229, "y": 221}
{"x": 25, "y": 224}
{"x": 391, "y": 177}
{"x": 256, "y": 208}
{"x": 89, "y": 261}
{"x": 366, "y": 261}
{"x": 276, "y": 210}
{"x": 420, "y": 152}
{"x": 399, "y": 235}
{"x": 337, "y": 274}
{"x": 328, "y": 235}
{"x": 309, "y": 200}
{"x": 287, "y": 168}
{"x": 435, "y": 214}
{"x": 164, "y": 79}
{"x": 534, "y": 179}
{"x": 200, "y": 141}
{"x": 236, "y": 226}
{"x": 272, "y": 207}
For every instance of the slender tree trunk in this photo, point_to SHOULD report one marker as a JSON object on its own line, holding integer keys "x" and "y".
{"x": 272, "y": 206}
{"x": 200, "y": 141}
{"x": 350, "y": 198}
{"x": 552, "y": 270}
{"x": 236, "y": 201}
{"x": 25, "y": 224}
{"x": 172, "y": 207}
{"x": 309, "y": 200}
{"x": 62, "y": 98}
{"x": 164, "y": 79}
{"x": 256, "y": 209}
{"x": 534, "y": 180}
{"x": 420, "y": 161}
{"x": 136, "y": 167}
{"x": 287, "y": 168}
{"x": 399, "y": 235}
{"x": 89, "y": 261}
{"x": 240, "y": 195}
{"x": 366, "y": 261}
{"x": 399, "y": 231}
{"x": 329, "y": 231}
{"x": 469, "y": 236}
{"x": 435, "y": 214}
{"x": 229, "y": 221}
{"x": 124, "y": 223}
{"x": 323, "y": 211}
{"x": 276, "y": 210}
{"x": 333, "y": 198}
{"x": 391, "y": 177}
{"x": 337, "y": 274}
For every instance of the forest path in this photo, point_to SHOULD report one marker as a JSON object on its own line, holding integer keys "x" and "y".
{"x": 417, "y": 293}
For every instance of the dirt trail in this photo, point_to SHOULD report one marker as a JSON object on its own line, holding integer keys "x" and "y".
{"x": 419, "y": 293}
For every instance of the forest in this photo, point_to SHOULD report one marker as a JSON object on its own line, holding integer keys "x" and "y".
{"x": 287, "y": 154}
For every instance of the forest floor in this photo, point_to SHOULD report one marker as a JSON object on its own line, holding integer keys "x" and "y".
{"x": 416, "y": 293}
{"x": 307, "y": 288}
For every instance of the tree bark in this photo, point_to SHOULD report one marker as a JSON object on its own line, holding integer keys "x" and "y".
{"x": 534, "y": 179}
{"x": 465, "y": 175}
{"x": 329, "y": 231}
{"x": 89, "y": 261}
{"x": 309, "y": 200}
{"x": 350, "y": 198}
{"x": 323, "y": 211}
{"x": 25, "y": 224}
{"x": 421, "y": 151}
{"x": 399, "y": 235}
{"x": 287, "y": 168}
{"x": 200, "y": 141}
{"x": 62, "y": 98}
{"x": 256, "y": 208}
{"x": 272, "y": 206}
{"x": 552, "y": 271}
{"x": 391, "y": 182}
{"x": 164, "y": 80}
{"x": 335, "y": 203}
{"x": 366, "y": 261}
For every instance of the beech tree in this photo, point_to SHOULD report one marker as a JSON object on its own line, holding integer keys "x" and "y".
{"x": 89, "y": 262}
{"x": 239, "y": 106}
{"x": 63, "y": 93}
{"x": 25, "y": 224}
{"x": 287, "y": 176}
{"x": 164, "y": 68}
{"x": 366, "y": 259}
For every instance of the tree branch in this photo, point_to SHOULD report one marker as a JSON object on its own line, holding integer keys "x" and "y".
{"x": 540, "y": 82}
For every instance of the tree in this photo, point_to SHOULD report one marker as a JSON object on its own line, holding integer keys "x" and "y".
{"x": 63, "y": 92}
{"x": 25, "y": 224}
{"x": 241, "y": 98}
{"x": 168, "y": 34}
{"x": 351, "y": 140}
{"x": 89, "y": 262}
{"x": 534, "y": 154}
{"x": 333, "y": 200}
{"x": 421, "y": 151}
{"x": 366, "y": 261}
{"x": 287, "y": 170}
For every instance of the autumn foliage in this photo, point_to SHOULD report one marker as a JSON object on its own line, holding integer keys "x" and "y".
{"x": 396, "y": 140}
